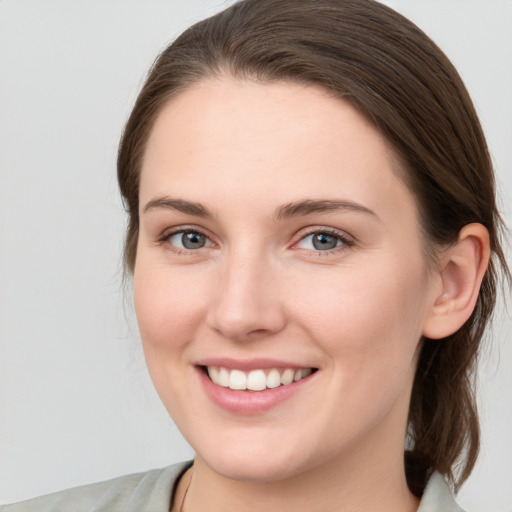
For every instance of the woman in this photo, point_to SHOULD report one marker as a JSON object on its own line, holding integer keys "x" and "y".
{"x": 313, "y": 239}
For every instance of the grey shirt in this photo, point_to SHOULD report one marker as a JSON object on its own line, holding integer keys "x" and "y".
{"x": 152, "y": 492}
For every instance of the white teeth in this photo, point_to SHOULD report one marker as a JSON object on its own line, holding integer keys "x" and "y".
{"x": 255, "y": 380}
{"x": 237, "y": 380}
{"x": 223, "y": 378}
{"x": 287, "y": 377}
{"x": 213, "y": 373}
{"x": 273, "y": 379}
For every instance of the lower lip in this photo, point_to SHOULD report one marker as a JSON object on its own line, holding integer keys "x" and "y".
{"x": 250, "y": 402}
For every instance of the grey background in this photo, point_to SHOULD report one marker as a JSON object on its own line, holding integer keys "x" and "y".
{"x": 76, "y": 402}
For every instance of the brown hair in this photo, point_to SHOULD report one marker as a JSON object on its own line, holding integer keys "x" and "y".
{"x": 398, "y": 78}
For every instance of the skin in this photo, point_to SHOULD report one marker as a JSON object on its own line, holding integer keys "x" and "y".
{"x": 260, "y": 289}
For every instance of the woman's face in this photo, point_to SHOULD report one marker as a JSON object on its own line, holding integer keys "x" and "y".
{"x": 278, "y": 243}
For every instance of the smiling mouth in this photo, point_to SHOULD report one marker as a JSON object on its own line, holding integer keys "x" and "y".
{"x": 255, "y": 380}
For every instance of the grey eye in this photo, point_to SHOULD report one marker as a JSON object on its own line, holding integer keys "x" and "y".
{"x": 189, "y": 240}
{"x": 324, "y": 242}
{"x": 321, "y": 241}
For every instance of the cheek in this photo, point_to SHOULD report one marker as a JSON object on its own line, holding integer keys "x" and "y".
{"x": 168, "y": 304}
{"x": 369, "y": 319}
{"x": 369, "y": 325}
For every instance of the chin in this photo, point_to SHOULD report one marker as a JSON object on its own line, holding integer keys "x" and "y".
{"x": 255, "y": 469}
{"x": 255, "y": 461}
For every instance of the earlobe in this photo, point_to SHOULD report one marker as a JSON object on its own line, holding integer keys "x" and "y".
{"x": 461, "y": 269}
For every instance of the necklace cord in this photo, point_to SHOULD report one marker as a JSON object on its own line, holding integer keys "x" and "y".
{"x": 182, "y": 504}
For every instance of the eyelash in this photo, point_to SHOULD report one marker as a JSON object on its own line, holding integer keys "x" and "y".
{"x": 346, "y": 242}
{"x": 166, "y": 237}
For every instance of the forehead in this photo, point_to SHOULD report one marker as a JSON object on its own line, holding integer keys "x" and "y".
{"x": 226, "y": 106}
{"x": 285, "y": 139}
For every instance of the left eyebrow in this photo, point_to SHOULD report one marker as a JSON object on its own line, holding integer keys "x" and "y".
{"x": 187, "y": 207}
{"x": 308, "y": 206}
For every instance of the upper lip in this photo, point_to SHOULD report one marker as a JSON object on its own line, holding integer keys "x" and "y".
{"x": 250, "y": 364}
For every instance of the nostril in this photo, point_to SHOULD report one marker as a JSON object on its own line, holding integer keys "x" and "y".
{"x": 258, "y": 332}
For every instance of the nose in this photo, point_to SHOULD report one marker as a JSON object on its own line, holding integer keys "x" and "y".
{"x": 247, "y": 303}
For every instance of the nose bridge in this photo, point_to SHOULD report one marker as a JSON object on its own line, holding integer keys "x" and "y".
{"x": 247, "y": 300}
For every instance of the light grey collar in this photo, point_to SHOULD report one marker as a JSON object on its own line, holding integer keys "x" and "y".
{"x": 438, "y": 497}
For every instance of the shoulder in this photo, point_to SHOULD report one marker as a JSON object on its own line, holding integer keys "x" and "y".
{"x": 438, "y": 497}
{"x": 149, "y": 491}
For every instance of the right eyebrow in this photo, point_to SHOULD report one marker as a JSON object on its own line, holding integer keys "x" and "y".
{"x": 187, "y": 207}
{"x": 309, "y": 206}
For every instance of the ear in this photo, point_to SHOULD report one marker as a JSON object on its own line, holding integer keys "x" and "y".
{"x": 461, "y": 270}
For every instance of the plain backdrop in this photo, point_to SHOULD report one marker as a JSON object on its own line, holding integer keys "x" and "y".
{"x": 77, "y": 404}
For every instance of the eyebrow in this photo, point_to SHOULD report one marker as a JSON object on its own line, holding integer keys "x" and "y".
{"x": 308, "y": 206}
{"x": 187, "y": 207}
{"x": 294, "y": 209}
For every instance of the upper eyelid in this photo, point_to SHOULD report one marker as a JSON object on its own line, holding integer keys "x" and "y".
{"x": 168, "y": 232}
{"x": 303, "y": 233}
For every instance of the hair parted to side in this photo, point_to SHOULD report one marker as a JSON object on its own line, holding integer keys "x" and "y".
{"x": 365, "y": 53}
